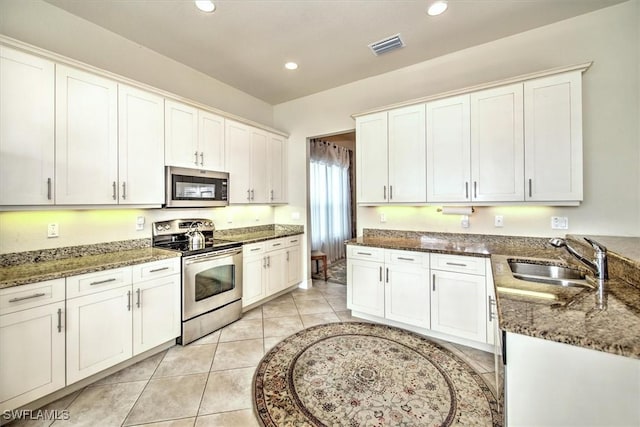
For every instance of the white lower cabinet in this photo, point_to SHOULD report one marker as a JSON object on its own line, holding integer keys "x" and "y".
{"x": 32, "y": 342}
{"x": 269, "y": 267}
{"x": 444, "y": 294}
{"x": 112, "y": 318}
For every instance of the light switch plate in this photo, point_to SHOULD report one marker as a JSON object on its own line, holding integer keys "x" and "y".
{"x": 52, "y": 230}
{"x": 560, "y": 222}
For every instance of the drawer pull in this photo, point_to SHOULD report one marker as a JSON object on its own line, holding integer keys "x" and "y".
{"x": 155, "y": 270}
{"x": 255, "y": 249}
{"x": 456, "y": 264}
{"x": 39, "y": 294}
{"x": 293, "y": 241}
{"x": 276, "y": 244}
{"x": 59, "y": 320}
{"x": 102, "y": 282}
{"x": 405, "y": 259}
{"x": 364, "y": 253}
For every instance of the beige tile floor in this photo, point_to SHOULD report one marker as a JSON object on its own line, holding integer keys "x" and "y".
{"x": 208, "y": 383}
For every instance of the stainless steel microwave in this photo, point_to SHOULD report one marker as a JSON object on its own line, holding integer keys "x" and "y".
{"x": 195, "y": 188}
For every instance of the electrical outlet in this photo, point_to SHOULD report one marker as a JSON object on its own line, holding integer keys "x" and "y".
{"x": 498, "y": 221}
{"x": 295, "y": 216}
{"x": 383, "y": 217}
{"x": 464, "y": 221}
{"x": 140, "y": 223}
{"x": 52, "y": 230}
{"x": 559, "y": 222}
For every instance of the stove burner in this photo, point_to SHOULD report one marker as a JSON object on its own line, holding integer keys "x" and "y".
{"x": 171, "y": 235}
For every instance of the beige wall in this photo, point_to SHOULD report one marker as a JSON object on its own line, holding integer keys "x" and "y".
{"x": 608, "y": 37}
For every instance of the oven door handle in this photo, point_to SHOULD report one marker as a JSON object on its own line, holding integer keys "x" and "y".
{"x": 209, "y": 257}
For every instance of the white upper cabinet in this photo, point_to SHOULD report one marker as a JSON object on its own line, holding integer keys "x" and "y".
{"x": 497, "y": 146}
{"x": 86, "y": 138}
{"x": 238, "y": 161}
{"x": 140, "y": 146}
{"x": 259, "y": 168}
{"x": 193, "y": 138}
{"x": 449, "y": 150}
{"x": 372, "y": 158}
{"x": 181, "y": 135}
{"x": 26, "y": 129}
{"x": 391, "y": 159}
{"x": 211, "y": 141}
{"x": 553, "y": 138}
{"x": 277, "y": 169}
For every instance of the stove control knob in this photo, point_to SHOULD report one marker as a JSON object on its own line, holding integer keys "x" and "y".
{"x": 159, "y": 227}
{"x": 167, "y": 226}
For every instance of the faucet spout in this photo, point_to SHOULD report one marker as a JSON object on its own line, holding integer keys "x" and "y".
{"x": 598, "y": 265}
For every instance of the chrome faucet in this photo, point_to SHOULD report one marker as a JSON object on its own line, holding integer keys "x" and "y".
{"x": 598, "y": 265}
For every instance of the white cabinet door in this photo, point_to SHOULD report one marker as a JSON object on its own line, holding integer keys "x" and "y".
{"x": 140, "y": 146}
{"x": 254, "y": 267}
{"x": 294, "y": 265}
{"x": 553, "y": 138}
{"x": 156, "y": 312}
{"x": 277, "y": 169}
{"x": 99, "y": 332}
{"x": 86, "y": 138}
{"x": 181, "y": 135}
{"x": 277, "y": 271}
{"x": 26, "y": 129}
{"x": 211, "y": 141}
{"x": 407, "y": 294}
{"x": 449, "y": 150}
{"x": 407, "y": 155}
{"x": 458, "y": 305}
{"x": 497, "y": 144}
{"x": 238, "y": 161}
{"x": 259, "y": 166}
{"x": 365, "y": 287}
{"x": 372, "y": 158}
{"x": 32, "y": 354}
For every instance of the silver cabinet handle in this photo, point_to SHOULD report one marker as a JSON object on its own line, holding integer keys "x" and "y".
{"x": 530, "y": 192}
{"x": 277, "y": 244}
{"x": 252, "y": 195}
{"x": 124, "y": 191}
{"x": 59, "y": 320}
{"x": 255, "y": 249}
{"x": 114, "y": 186}
{"x": 39, "y": 294}
{"x": 466, "y": 189}
{"x": 475, "y": 189}
{"x": 264, "y": 262}
{"x": 271, "y": 194}
{"x": 405, "y": 259}
{"x": 287, "y": 256}
{"x": 155, "y": 270}
{"x": 248, "y": 194}
{"x": 128, "y": 300}
{"x": 364, "y": 253}
{"x": 196, "y": 154}
{"x": 391, "y": 192}
{"x": 381, "y": 273}
{"x": 138, "y": 297}
{"x": 456, "y": 264}
{"x": 492, "y": 302}
{"x": 384, "y": 192}
{"x": 387, "y": 278}
{"x": 48, "y": 188}
{"x": 102, "y": 282}
{"x": 269, "y": 261}
{"x": 201, "y": 158}
{"x": 433, "y": 282}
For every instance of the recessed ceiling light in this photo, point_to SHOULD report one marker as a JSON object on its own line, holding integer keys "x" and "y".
{"x": 205, "y": 5}
{"x": 437, "y": 8}
{"x": 291, "y": 66}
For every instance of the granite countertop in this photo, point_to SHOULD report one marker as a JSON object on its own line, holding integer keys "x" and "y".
{"x": 259, "y": 236}
{"x": 576, "y": 316}
{"x": 32, "y": 272}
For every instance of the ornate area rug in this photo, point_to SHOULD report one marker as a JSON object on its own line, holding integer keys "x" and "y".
{"x": 361, "y": 374}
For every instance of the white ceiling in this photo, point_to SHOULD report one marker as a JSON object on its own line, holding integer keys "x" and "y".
{"x": 245, "y": 43}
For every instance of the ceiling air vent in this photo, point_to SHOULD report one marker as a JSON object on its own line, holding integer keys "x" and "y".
{"x": 386, "y": 45}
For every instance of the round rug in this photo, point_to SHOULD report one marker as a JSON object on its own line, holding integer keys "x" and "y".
{"x": 362, "y": 374}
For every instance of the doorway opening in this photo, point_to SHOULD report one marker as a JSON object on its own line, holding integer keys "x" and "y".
{"x": 332, "y": 208}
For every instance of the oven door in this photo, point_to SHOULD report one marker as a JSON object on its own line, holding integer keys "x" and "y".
{"x": 211, "y": 281}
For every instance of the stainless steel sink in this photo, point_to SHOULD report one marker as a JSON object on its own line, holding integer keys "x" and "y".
{"x": 548, "y": 273}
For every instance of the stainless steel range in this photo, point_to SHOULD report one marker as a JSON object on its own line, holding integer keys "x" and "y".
{"x": 211, "y": 275}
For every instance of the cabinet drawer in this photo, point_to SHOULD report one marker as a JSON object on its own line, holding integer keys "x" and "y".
{"x": 90, "y": 283}
{"x": 460, "y": 264}
{"x": 407, "y": 258}
{"x": 365, "y": 252}
{"x": 293, "y": 241}
{"x": 253, "y": 249}
{"x": 156, "y": 269}
{"x": 275, "y": 244}
{"x": 32, "y": 295}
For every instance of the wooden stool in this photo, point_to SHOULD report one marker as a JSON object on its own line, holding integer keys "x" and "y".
{"x": 320, "y": 256}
